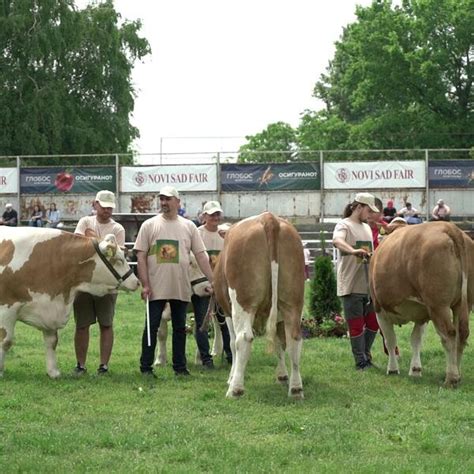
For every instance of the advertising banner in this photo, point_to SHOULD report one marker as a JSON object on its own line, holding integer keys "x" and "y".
{"x": 271, "y": 177}
{"x": 183, "y": 177}
{"x": 451, "y": 173}
{"x": 8, "y": 180}
{"x": 58, "y": 180}
{"x": 374, "y": 174}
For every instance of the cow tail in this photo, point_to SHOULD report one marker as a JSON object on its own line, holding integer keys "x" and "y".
{"x": 272, "y": 230}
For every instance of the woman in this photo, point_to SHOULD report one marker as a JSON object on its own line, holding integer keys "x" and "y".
{"x": 52, "y": 216}
{"x": 36, "y": 219}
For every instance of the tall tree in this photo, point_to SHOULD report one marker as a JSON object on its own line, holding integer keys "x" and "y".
{"x": 274, "y": 144}
{"x": 402, "y": 77}
{"x": 65, "y": 78}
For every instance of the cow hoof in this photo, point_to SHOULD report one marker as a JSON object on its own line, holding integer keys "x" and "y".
{"x": 54, "y": 374}
{"x": 393, "y": 372}
{"x": 235, "y": 393}
{"x": 415, "y": 372}
{"x": 283, "y": 379}
{"x": 452, "y": 383}
{"x": 296, "y": 393}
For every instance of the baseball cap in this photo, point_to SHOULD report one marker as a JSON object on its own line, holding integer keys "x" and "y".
{"x": 440, "y": 201}
{"x": 9, "y": 204}
{"x": 366, "y": 198}
{"x": 169, "y": 191}
{"x": 211, "y": 206}
{"x": 106, "y": 199}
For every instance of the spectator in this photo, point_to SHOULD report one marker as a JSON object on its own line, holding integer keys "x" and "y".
{"x": 163, "y": 246}
{"x": 214, "y": 243}
{"x": 410, "y": 214}
{"x": 353, "y": 238}
{"x": 389, "y": 212}
{"x": 307, "y": 260}
{"x": 53, "y": 216}
{"x": 10, "y": 216}
{"x": 89, "y": 308}
{"x": 36, "y": 218}
{"x": 441, "y": 212}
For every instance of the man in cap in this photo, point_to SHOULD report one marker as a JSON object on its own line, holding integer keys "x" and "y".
{"x": 353, "y": 238}
{"x": 163, "y": 247}
{"x": 10, "y": 216}
{"x": 88, "y": 308}
{"x": 441, "y": 212}
{"x": 214, "y": 242}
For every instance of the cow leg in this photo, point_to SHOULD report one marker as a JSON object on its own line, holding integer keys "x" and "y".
{"x": 162, "y": 333}
{"x": 391, "y": 343}
{"x": 7, "y": 331}
{"x": 50, "y": 343}
{"x": 441, "y": 318}
{"x": 243, "y": 323}
{"x": 463, "y": 328}
{"x": 281, "y": 371}
{"x": 230, "y": 327}
{"x": 294, "y": 344}
{"x": 416, "y": 340}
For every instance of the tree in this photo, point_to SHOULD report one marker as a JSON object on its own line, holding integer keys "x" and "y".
{"x": 275, "y": 144}
{"x": 401, "y": 77}
{"x": 65, "y": 80}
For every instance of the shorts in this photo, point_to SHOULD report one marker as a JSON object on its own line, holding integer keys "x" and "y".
{"x": 89, "y": 308}
{"x": 356, "y": 305}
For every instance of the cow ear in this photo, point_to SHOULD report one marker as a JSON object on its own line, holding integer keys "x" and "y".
{"x": 108, "y": 246}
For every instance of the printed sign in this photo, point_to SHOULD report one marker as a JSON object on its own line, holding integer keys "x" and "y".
{"x": 183, "y": 178}
{"x": 451, "y": 173}
{"x": 57, "y": 180}
{"x": 8, "y": 180}
{"x": 374, "y": 174}
{"x": 271, "y": 177}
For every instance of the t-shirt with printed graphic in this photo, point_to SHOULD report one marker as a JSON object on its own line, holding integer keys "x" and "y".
{"x": 101, "y": 230}
{"x": 351, "y": 274}
{"x": 168, "y": 244}
{"x": 213, "y": 242}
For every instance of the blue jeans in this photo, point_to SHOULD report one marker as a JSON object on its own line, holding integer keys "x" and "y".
{"x": 200, "y": 305}
{"x": 178, "y": 321}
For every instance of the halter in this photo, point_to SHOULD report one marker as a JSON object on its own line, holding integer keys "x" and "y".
{"x": 120, "y": 279}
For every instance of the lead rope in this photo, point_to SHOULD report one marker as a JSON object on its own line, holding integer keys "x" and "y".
{"x": 211, "y": 312}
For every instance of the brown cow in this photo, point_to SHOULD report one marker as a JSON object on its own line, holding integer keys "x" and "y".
{"x": 259, "y": 278}
{"x": 420, "y": 273}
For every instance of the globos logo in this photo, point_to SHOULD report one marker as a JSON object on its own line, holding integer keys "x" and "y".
{"x": 64, "y": 181}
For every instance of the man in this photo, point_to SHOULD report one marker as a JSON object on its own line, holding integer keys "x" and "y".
{"x": 353, "y": 238}
{"x": 87, "y": 308}
{"x": 163, "y": 246}
{"x": 214, "y": 242}
{"x": 10, "y": 216}
{"x": 441, "y": 212}
{"x": 410, "y": 214}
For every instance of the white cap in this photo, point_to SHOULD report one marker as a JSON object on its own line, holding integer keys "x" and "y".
{"x": 440, "y": 201}
{"x": 9, "y": 204}
{"x": 367, "y": 198}
{"x": 211, "y": 207}
{"x": 106, "y": 199}
{"x": 169, "y": 191}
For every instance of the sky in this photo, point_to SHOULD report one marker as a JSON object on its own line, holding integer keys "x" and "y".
{"x": 221, "y": 70}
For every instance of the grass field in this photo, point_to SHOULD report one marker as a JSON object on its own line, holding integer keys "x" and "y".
{"x": 349, "y": 421}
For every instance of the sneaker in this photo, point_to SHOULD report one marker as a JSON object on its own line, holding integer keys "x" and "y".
{"x": 79, "y": 370}
{"x": 362, "y": 365}
{"x": 103, "y": 369}
{"x": 184, "y": 372}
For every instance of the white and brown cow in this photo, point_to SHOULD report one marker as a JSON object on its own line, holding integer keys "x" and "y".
{"x": 421, "y": 273}
{"x": 41, "y": 270}
{"x": 258, "y": 281}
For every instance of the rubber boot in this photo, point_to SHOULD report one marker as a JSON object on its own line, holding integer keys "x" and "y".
{"x": 369, "y": 340}
{"x": 358, "y": 350}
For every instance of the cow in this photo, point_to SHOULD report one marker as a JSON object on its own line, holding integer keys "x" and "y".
{"x": 41, "y": 271}
{"x": 258, "y": 281}
{"x": 422, "y": 273}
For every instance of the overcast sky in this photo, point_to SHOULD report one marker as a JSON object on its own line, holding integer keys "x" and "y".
{"x": 228, "y": 68}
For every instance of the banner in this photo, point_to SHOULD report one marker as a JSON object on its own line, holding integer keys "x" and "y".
{"x": 374, "y": 174}
{"x": 271, "y": 177}
{"x": 61, "y": 180}
{"x": 8, "y": 180}
{"x": 451, "y": 173}
{"x": 183, "y": 177}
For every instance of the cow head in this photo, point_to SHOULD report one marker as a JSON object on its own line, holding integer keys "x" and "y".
{"x": 199, "y": 282}
{"x": 116, "y": 264}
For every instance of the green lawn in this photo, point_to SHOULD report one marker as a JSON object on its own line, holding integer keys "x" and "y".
{"x": 349, "y": 421}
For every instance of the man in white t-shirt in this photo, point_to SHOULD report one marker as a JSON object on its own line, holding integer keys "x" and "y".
{"x": 353, "y": 238}
{"x": 89, "y": 308}
{"x": 214, "y": 242}
{"x": 163, "y": 246}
